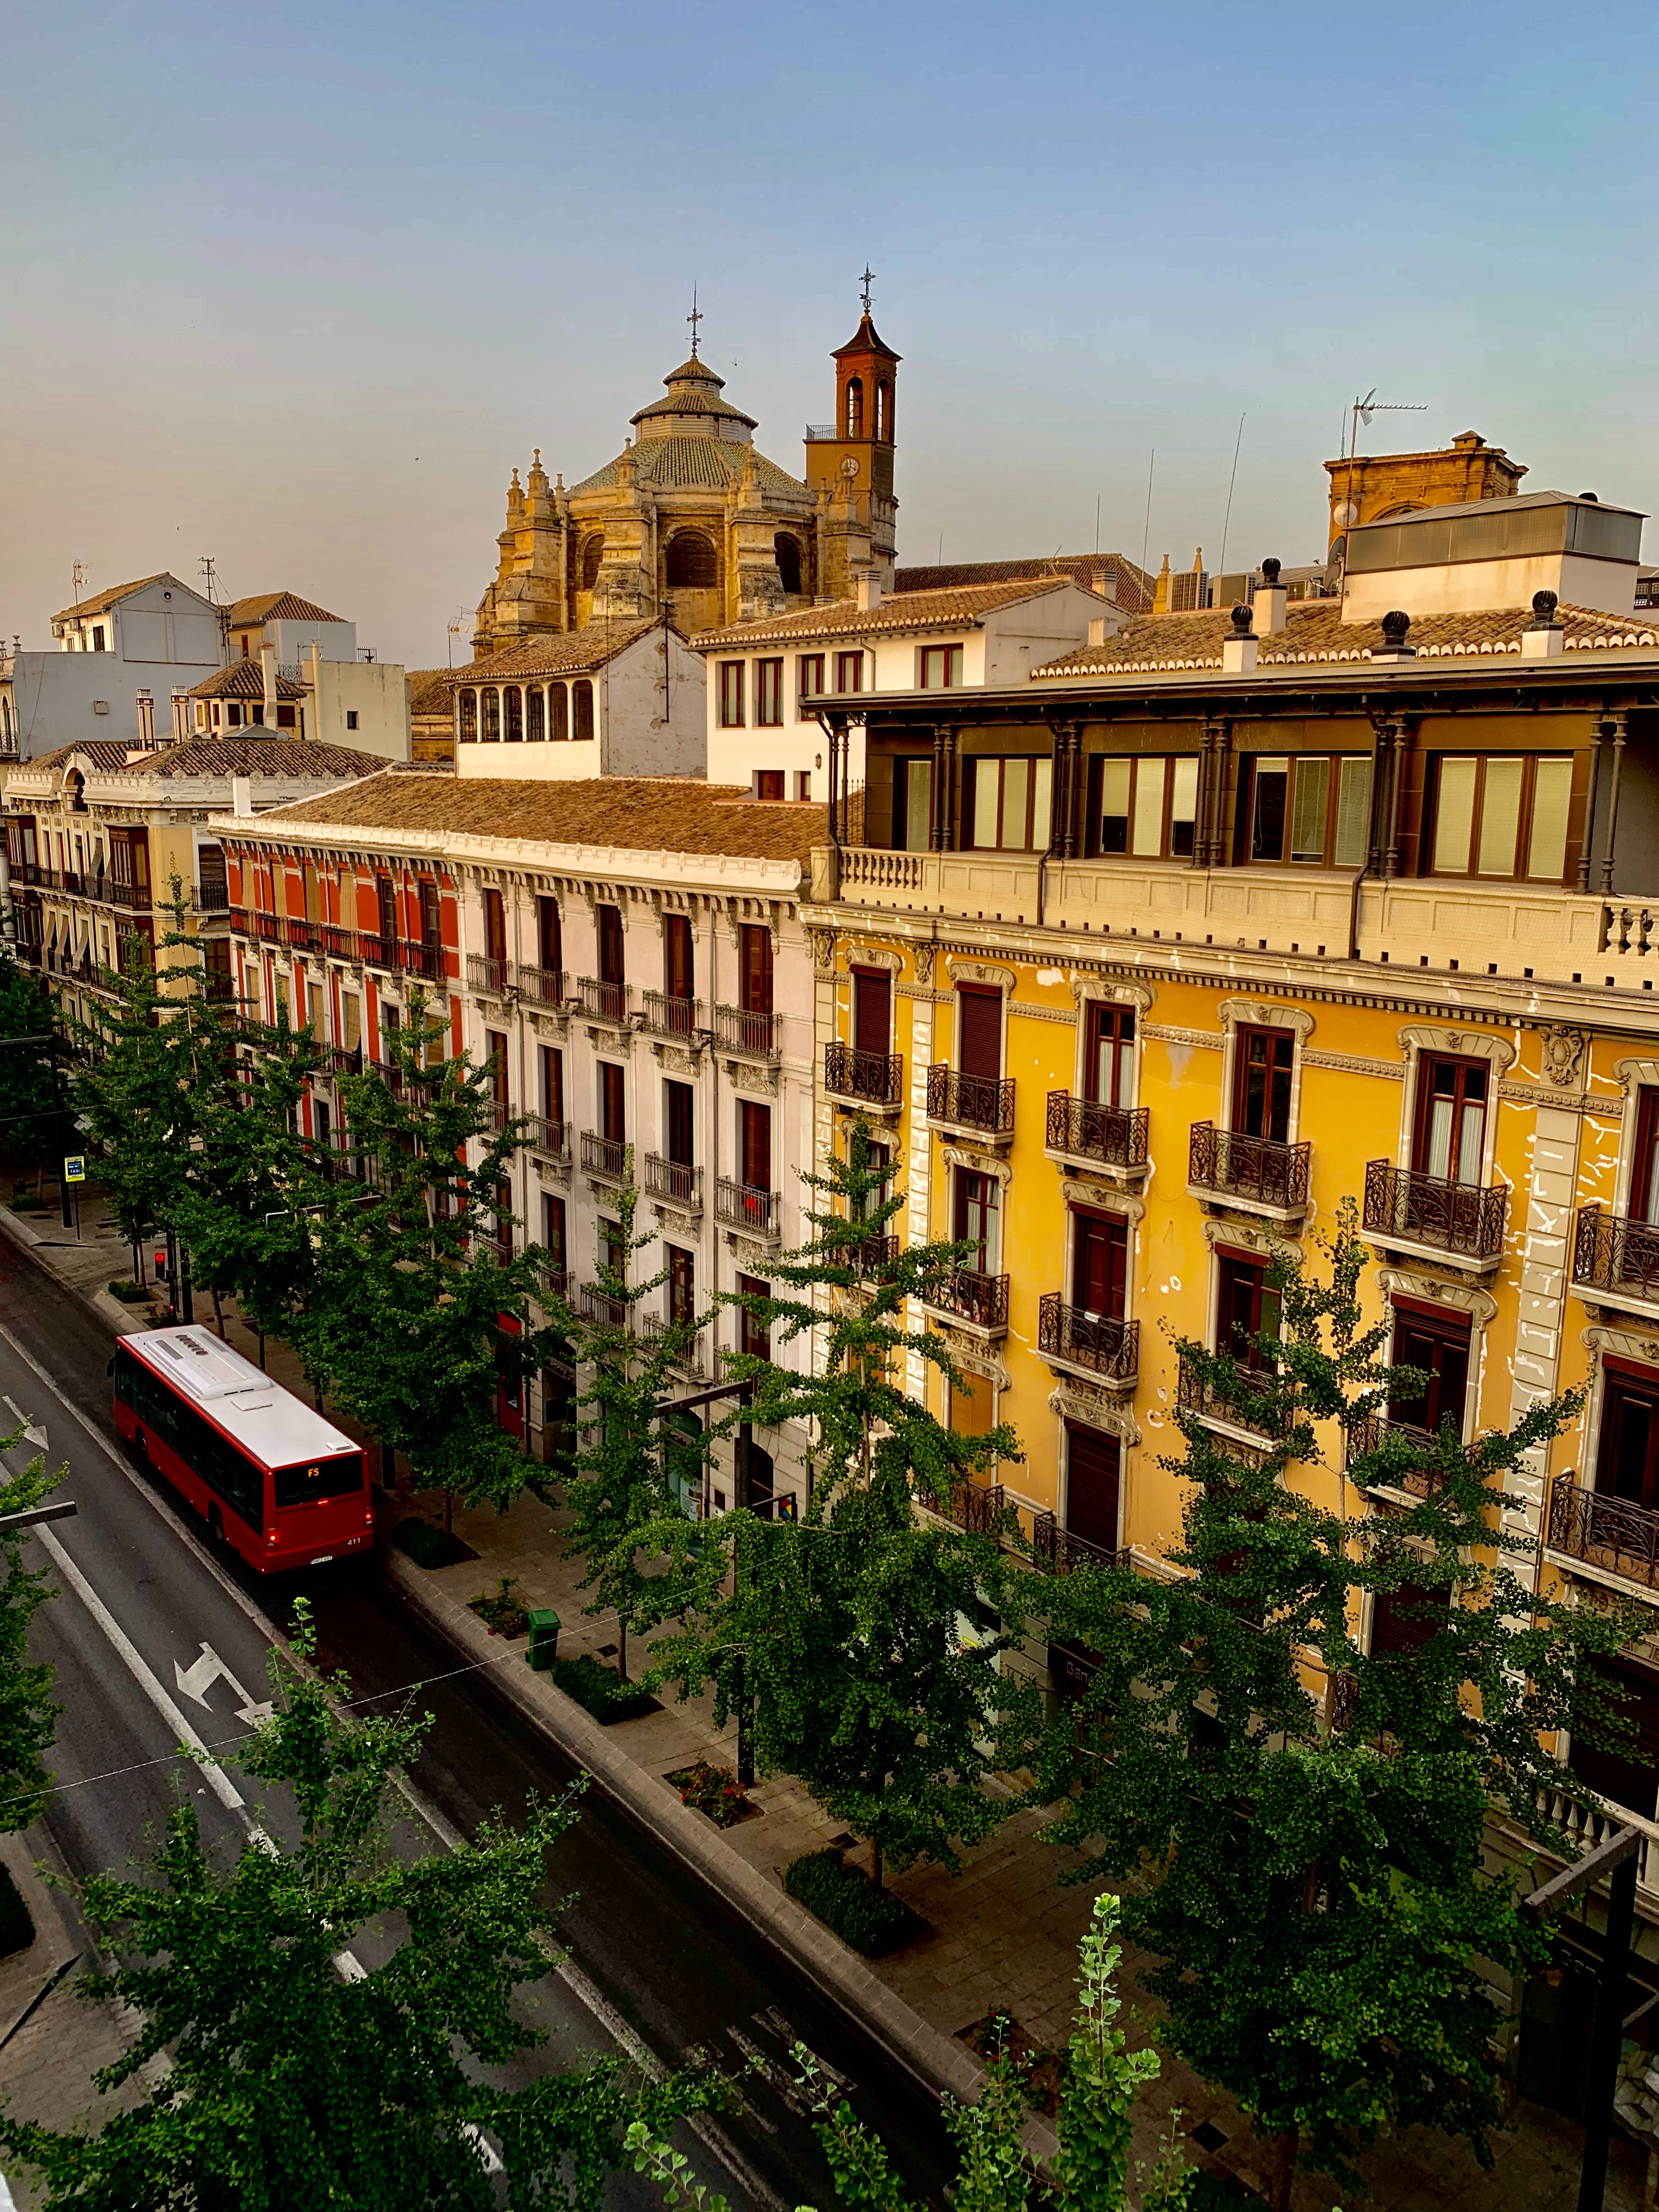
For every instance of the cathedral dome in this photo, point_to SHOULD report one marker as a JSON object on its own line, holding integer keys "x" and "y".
{"x": 694, "y": 408}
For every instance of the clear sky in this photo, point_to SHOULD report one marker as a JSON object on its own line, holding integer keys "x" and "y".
{"x": 297, "y": 285}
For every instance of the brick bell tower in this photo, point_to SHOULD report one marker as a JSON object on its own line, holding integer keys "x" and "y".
{"x": 849, "y": 462}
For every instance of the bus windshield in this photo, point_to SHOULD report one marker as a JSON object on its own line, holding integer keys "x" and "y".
{"x": 328, "y": 1478}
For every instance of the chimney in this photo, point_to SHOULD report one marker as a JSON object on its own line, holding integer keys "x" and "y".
{"x": 267, "y": 671}
{"x": 180, "y": 716}
{"x": 1270, "y": 598}
{"x": 1394, "y": 647}
{"x": 1096, "y": 629}
{"x": 1239, "y": 648}
{"x": 868, "y": 590}
{"x": 241, "y": 792}
{"x": 1544, "y": 636}
{"x": 146, "y": 705}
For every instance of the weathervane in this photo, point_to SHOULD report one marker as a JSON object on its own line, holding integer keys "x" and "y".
{"x": 869, "y": 279}
{"x": 694, "y": 318}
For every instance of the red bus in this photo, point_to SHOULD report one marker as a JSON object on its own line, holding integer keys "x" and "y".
{"x": 282, "y": 1485}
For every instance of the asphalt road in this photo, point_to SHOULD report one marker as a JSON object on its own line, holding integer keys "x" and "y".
{"x": 658, "y": 1965}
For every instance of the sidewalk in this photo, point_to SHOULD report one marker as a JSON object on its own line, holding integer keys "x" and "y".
{"x": 1003, "y": 1933}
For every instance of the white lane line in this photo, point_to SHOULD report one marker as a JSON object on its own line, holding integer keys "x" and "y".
{"x": 218, "y": 1780}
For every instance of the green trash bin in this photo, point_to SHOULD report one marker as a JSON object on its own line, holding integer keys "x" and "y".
{"x": 544, "y": 1639}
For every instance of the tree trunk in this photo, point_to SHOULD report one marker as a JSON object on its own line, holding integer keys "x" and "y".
{"x": 219, "y": 1317}
{"x": 1284, "y": 2180}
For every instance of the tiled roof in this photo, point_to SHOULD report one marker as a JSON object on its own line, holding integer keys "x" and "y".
{"x": 246, "y": 753}
{"x": 1163, "y": 644}
{"x": 667, "y": 814}
{"x": 566, "y": 655}
{"x": 429, "y": 690}
{"x": 960, "y": 604}
{"x": 104, "y": 753}
{"x": 101, "y": 602}
{"x": 278, "y": 606}
{"x": 694, "y": 465}
{"x": 1110, "y": 575}
{"x": 866, "y": 340}
{"x": 244, "y": 679}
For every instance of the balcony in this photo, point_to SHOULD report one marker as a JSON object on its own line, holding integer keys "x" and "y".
{"x": 976, "y": 1301}
{"x": 380, "y": 952}
{"x": 1244, "y": 1408}
{"x": 554, "y": 1282}
{"x": 604, "y": 1159}
{"x": 981, "y": 1104}
{"x": 602, "y": 1002}
{"x": 741, "y": 1205}
{"x": 1252, "y": 1172}
{"x": 874, "y": 1254}
{"x": 391, "y": 1074}
{"x": 424, "y": 960}
{"x": 1059, "y": 1551}
{"x": 1605, "y": 1533}
{"x": 1435, "y": 1219}
{"x": 342, "y": 943}
{"x": 493, "y": 978}
{"x": 544, "y": 986}
{"x": 666, "y": 1016}
{"x": 1420, "y": 1479}
{"x": 550, "y": 1138}
{"x": 759, "y": 1036}
{"x": 1069, "y": 1336}
{"x": 870, "y": 1080}
{"x": 1112, "y": 1137}
{"x": 673, "y": 1183}
{"x": 264, "y": 928}
{"x": 597, "y": 1305}
{"x": 979, "y": 1508}
{"x": 340, "y": 1060}
{"x": 690, "y": 1355}
{"x": 300, "y": 935}
{"x": 1615, "y": 1258}
{"x": 212, "y": 898}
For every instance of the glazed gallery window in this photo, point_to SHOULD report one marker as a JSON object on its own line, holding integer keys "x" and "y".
{"x": 849, "y": 671}
{"x": 732, "y": 695}
{"x": 1005, "y": 803}
{"x": 581, "y": 693}
{"x": 809, "y": 681}
{"x": 535, "y": 708}
{"x": 941, "y": 668}
{"x": 468, "y": 718}
{"x": 492, "y": 717}
{"x": 1312, "y": 809}
{"x": 1504, "y": 817}
{"x": 1146, "y": 807}
{"x": 769, "y": 694}
{"x": 913, "y": 803}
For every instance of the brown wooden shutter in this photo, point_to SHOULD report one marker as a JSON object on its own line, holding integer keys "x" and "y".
{"x": 980, "y": 1031}
{"x": 757, "y": 1146}
{"x": 1091, "y": 1485}
{"x": 872, "y": 1010}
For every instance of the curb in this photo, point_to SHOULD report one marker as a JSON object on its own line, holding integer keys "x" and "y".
{"x": 942, "y": 2067}
{"x": 122, "y": 1319}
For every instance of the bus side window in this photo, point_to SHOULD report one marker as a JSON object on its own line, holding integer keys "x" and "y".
{"x": 124, "y": 1368}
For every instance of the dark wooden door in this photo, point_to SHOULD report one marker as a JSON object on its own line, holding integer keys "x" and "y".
{"x": 754, "y": 1139}
{"x": 612, "y": 1113}
{"x": 676, "y": 957}
{"x": 1092, "y": 1464}
{"x": 1629, "y": 1774}
{"x": 552, "y": 1082}
{"x": 1451, "y": 1118}
{"x": 550, "y": 936}
{"x": 610, "y": 945}
{"x": 873, "y": 1010}
{"x": 1405, "y": 1618}
{"x": 1628, "y": 1458}
{"x": 1261, "y": 1082}
{"x": 1100, "y": 1264}
{"x": 755, "y": 975}
{"x": 1440, "y": 1351}
{"x": 1247, "y": 1307}
{"x": 679, "y": 1120}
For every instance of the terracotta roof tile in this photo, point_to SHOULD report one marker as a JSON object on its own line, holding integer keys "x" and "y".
{"x": 101, "y": 602}
{"x": 1111, "y": 574}
{"x": 278, "y": 606}
{"x": 245, "y": 679}
{"x": 429, "y": 690}
{"x": 667, "y": 814}
{"x": 959, "y": 605}
{"x": 566, "y": 655}
{"x": 694, "y": 465}
{"x": 245, "y": 753}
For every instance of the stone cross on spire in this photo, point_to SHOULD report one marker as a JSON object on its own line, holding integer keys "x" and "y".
{"x": 869, "y": 279}
{"x": 694, "y": 318}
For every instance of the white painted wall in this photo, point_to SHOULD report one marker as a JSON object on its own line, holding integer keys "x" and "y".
{"x": 374, "y": 690}
{"x": 633, "y": 735}
{"x": 294, "y": 641}
{"x": 1471, "y": 586}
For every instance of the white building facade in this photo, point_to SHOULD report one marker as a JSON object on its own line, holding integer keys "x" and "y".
{"x": 615, "y": 699}
{"x": 118, "y": 658}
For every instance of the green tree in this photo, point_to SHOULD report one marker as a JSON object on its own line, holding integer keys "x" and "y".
{"x": 294, "y": 2085}
{"x": 137, "y": 1087}
{"x": 27, "y": 1716}
{"x": 1317, "y": 1896}
{"x": 855, "y": 1632}
{"x": 32, "y": 1119}
{"x": 414, "y": 1272}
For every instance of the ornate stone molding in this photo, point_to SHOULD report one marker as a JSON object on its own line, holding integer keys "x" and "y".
{"x": 753, "y": 1080}
{"x": 823, "y": 944}
{"x": 1263, "y": 1013}
{"x": 1633, "y": 1073}
{"x": 1200, "y": 1040}
{"x": 1468, "y": 1044}
{"x": 873, "y": 956}
{"x": 982, "y": 971}
{"x": 1076, "y": 1191}
{"x": 1066, "y": 1015}
{"x": 1076, "y": 1400}
{"x": 1623, "y": 1343}
{"x": 1101, "y": 987}
{"x": 1249, "y": 1237}
{"x": 979, "y": 1163}
{"x": 1563, "y": 1055}
{"x": 1350, "y": 1063}
{"x": 1460, "y": 1298}
{"x": 976, "y": 1360}
{"x": 924, "y": 960}
{"x": 752, "y": 1259}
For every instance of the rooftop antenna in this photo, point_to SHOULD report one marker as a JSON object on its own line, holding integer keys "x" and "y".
{"x": 1362, "y": 409}
{"x": 1221, "y": 565}
{"x": 869, "y": 279}
{"x": 80, "y": 581}
{"x": 694, "y": 318}
{"x": 211, "y": 573}
{"x": 1097, "y": 522}
{"x": 453, "y": 630}
{"x": 1146, "y": 527}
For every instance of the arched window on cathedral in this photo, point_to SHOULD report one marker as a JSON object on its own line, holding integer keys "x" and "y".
{"x": 855, "y": 406}
{"x": 514, "y": 715}
{"x": 692, "y": 565}
{"x": 535, "y": 708}
{"x": 884, "y": 409}
{"x": 584, "y": 704}
{"x": 592, "y": 554}
{"x": 492, "y": 717}
{"x": 558, "y": 698}
{"x": 788, "y": 552}
{"x": 468, "y": 718}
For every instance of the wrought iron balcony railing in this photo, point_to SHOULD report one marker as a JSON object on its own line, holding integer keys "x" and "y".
{"x": 1253, "y": 1169}
{"x": 1248, "y": 1400}
{"x": 1463, "y": 1218}
{"x": 1060, "y": 1550}
{"x": 674, "y": 1182}
{"x": 1083, "y": 1130}
{"x": 978, "y": 1507}
{"x": 741, "y": 1205}
{"x": 670, "y": 1017}
{"x": 1616, "y": 1253}
{"x": 980, "y": 1300}
{"x": 342, "y": 943}
{"x": 690, "y": 1354}
{"x": 380, "y": 952}
{"x": 739, "y": 1031}
{"x": 606, "y": 1002}
{"x": 1111, "y": 1348}
{"x": 264, "y": 926}
{"x": 874, "y": 1254}
{"x": 424, "y": 959}
{"x": 547, "y": 987}
{"x": 606, "y": 1157}
{"x": 552, "y": 1138}
{"x": 597, "y": 1305}
{"x": 1609, "y": 1532}
{"x": 971, "y": 1101}
{"x": 873, "y": 1079}
{"x": 1422, "y": 1479}
{"x": 492, "y": 976}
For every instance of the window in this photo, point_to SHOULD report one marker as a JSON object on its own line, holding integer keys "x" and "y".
{"x": 612, "y": 1249}
{"x": 558, "y": 722}
{"x": 854, "y": 407}
{"x": 1247, "y": 1309}
{"x": 351, "y": 1020}
{"x": 1437, "y": 1344}
{"x": 535, "y": 715}
{"x": 1643, "y": 1200}
{"x": 979, "y": 1030}
{"x": 682, "y": 1284}
{"x": 731, "y": 695}
{"x": 551, "y": 1060}
{"x": 98, "y": 637}
{"x": 1005, "y": 803}
{"x": 755, "y": 1144}
{"x": 787, "y": 551}
{"x": 210, "y": 878}
{"x": 1313, "y": 810}
{"x": 941, "y": 668}
{"x": 913, "y": 805}
{"x": 432, "y": 924}
{"x": 1449, "y": 1138}
{"x": 754, "y": 1336}
{"x": 1504, "y": 817}
{"x": 769, "y": 694}
{"x": 468, "y": 718}
{"x": 495, "y": 1062}
{"x": 883, "y": 409}
{"x": 978, "y": 1221}
{"x": 809, "y": 681}
{"x": 351, "y": 717}
{"x": 769, "y": 783}
{"x": 679, "y": 1102}
{"x": 592, "y": 555}
{"x": 1100, "y": 1263}
{"x": 553, "y": 1230}
{"x": 385, "y": 897}
{"x": 873, "y": 1010}
{"x": 692, "y": 565}
{"x": 1146, "y": 807}
{"x": 582, "y": 707}
{"x": 1627, "y": 1456}
{"x": 678, "y": 981}
{"x": 803, "y": 784}
{"x": 549, "y": 937}
{"x": 610, "y": 923}
{"x": 495, "y": 926}
{"x": 754, "y": 968}
{"x": 514, "y": 698}
{"x": 1261, "y": 1082}
{"x": 613, "y": 1114}
{"x": 492, "y": 717}
{"x": 1628, "y": 1774}
{"x": 1108, "y": 1054}
{"x": 1406, "y": 1618}
{"x": 1092, "y": 1463}
{"x": 849, "y": 671}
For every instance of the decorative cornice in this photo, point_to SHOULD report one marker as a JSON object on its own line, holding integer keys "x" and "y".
{"x": 1352, "y": 1063}
{"x": 982, "y": 971}
{"x": 1462, "y": 1298}
{"x": 1066, "y": 1015}
{"x": 1166, "y": 1033}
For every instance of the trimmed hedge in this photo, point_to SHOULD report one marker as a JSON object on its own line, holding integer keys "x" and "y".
{"x": 129, "y": 1293}
{"x": 873, "y": 1921}
{"x": 600, "y": 1690}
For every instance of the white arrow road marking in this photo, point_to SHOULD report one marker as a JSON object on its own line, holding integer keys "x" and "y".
{"x": 33, "y": 1430}
{"x": 195, "y": 1679}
